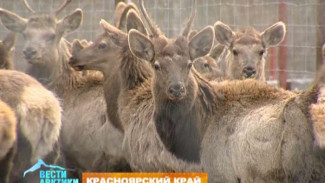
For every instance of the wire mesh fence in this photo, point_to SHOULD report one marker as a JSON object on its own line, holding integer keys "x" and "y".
{"x": 305, "y": 20}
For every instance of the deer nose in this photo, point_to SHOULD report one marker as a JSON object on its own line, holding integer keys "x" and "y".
{"x": 176, "y": 90}
{"x": 29, "y": 53}
{"x": 249, "y": 71}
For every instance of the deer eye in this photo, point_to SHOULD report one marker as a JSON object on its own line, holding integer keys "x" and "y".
{"x": 156, "y": 66}
{"x": 235, "y": 52}
{"x": 206, "y": 65}
{"x": 51, "y": 36}
{"x": 189, "y": 65}
{"x": 102, "y": 45}
{"x": 261, "y": 52}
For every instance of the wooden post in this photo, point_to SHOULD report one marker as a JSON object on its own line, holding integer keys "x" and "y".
{"x": 320, "y": 33}
{"x": 272, "y": 64}
{"x": 282, "y": 59}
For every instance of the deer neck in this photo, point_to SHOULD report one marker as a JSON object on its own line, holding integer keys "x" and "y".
{"x": 181, "y": 124}
{"x": 133, "y": 71}
{"x": 6, "y": 61}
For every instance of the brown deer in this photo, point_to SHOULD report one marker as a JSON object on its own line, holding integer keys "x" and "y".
{"x": 207, "y": 66}
{"x": 6, "y": 47}
{"x": 8, "y": 139}
{"x": 247, "y": 49}
{"x": 162, "y": 52}
{"x": 38, "y": 115}
{"x": 101, "y": 56}
{"x": 317, "y": 111}
{"x": 240, "y": 131}
{"x": 115, "y": 55}
{"x": 89, "y": 141}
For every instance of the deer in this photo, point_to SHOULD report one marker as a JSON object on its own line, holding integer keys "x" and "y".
{"x": 89, "y": 142}
{"x": 6, "y": 49}
{"x": 209, "y": 65}
{"x": 115, "y": 56}
{"x": 239, "y": 130}
{"x": 97, "y": 55}
{"x": 246, "y": 49}
{"x": 155, "y": 157}
{"x": 317, "y": 112}
{"x": 38, "y": 123}
{"x": 8, "y": 140}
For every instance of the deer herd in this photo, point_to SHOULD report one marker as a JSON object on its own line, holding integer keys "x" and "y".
{"x": 136, "y": 100}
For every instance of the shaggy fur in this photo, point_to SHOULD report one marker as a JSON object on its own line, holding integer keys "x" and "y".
{"x": 259, "y": 123}
{"x": 317, "y": 110}
{"x": 248, "y": 131}
{"x": 89, "y": 142}
{"x": 38, "y": 114}
{"x": 318, "y": 115}
{"x": 142, "y": 145}
{"x": 7, "y": 140}
{"x": 6, "y": 47}
{"x": 101, "y": 56}
{"x": 145, "y": 151}
{"x": 92, "y": 58}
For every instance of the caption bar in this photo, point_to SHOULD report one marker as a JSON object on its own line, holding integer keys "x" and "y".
{"x": 144, "y": 178}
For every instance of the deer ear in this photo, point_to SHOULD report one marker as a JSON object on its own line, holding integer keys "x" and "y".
{"x": 70, "y": 23}
{"x": 114, "y": 33}
{"x": 217, "y": 51}
{"x": 223, "y": 33}
{"x": 201, "y": 43}
{"x": 141, "y": 46}
{"x": 76, "y": 47}
{"x": 85, "y": 43}
{"x": 274, "y": 35}
{"x": 122, "y": 22}
{"x": 10, "y": 40}
{"x": 118, "y": 12}
{"x": 134, "y": 22}
{"x": 12, "y": 21}
{"x": 192, "y": 34}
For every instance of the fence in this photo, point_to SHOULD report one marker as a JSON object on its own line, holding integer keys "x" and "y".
{"x": 305, "y": 20}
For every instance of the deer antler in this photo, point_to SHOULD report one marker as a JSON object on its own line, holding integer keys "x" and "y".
{"x": 28, "y": 7}
{"x": 152, "y": 28}
{"x": 122, "y": 22}
{"x": 62, "y": 7}
{"x": 189, "y": 23}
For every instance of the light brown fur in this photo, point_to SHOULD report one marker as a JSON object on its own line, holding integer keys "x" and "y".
{"x": 7, "y": 141}
{"x": 6, "y": 49}
{"x": 7, "y": 128}
{"x": 144, "y": 150}
{"x": 317, "y": 112}
{"x": 318, "y": 115}
{"x": 248, "y": 131}
{"x": 260, "y": 123}
{"x": 89, "y": 142}
{"x": 38, "y": 114}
